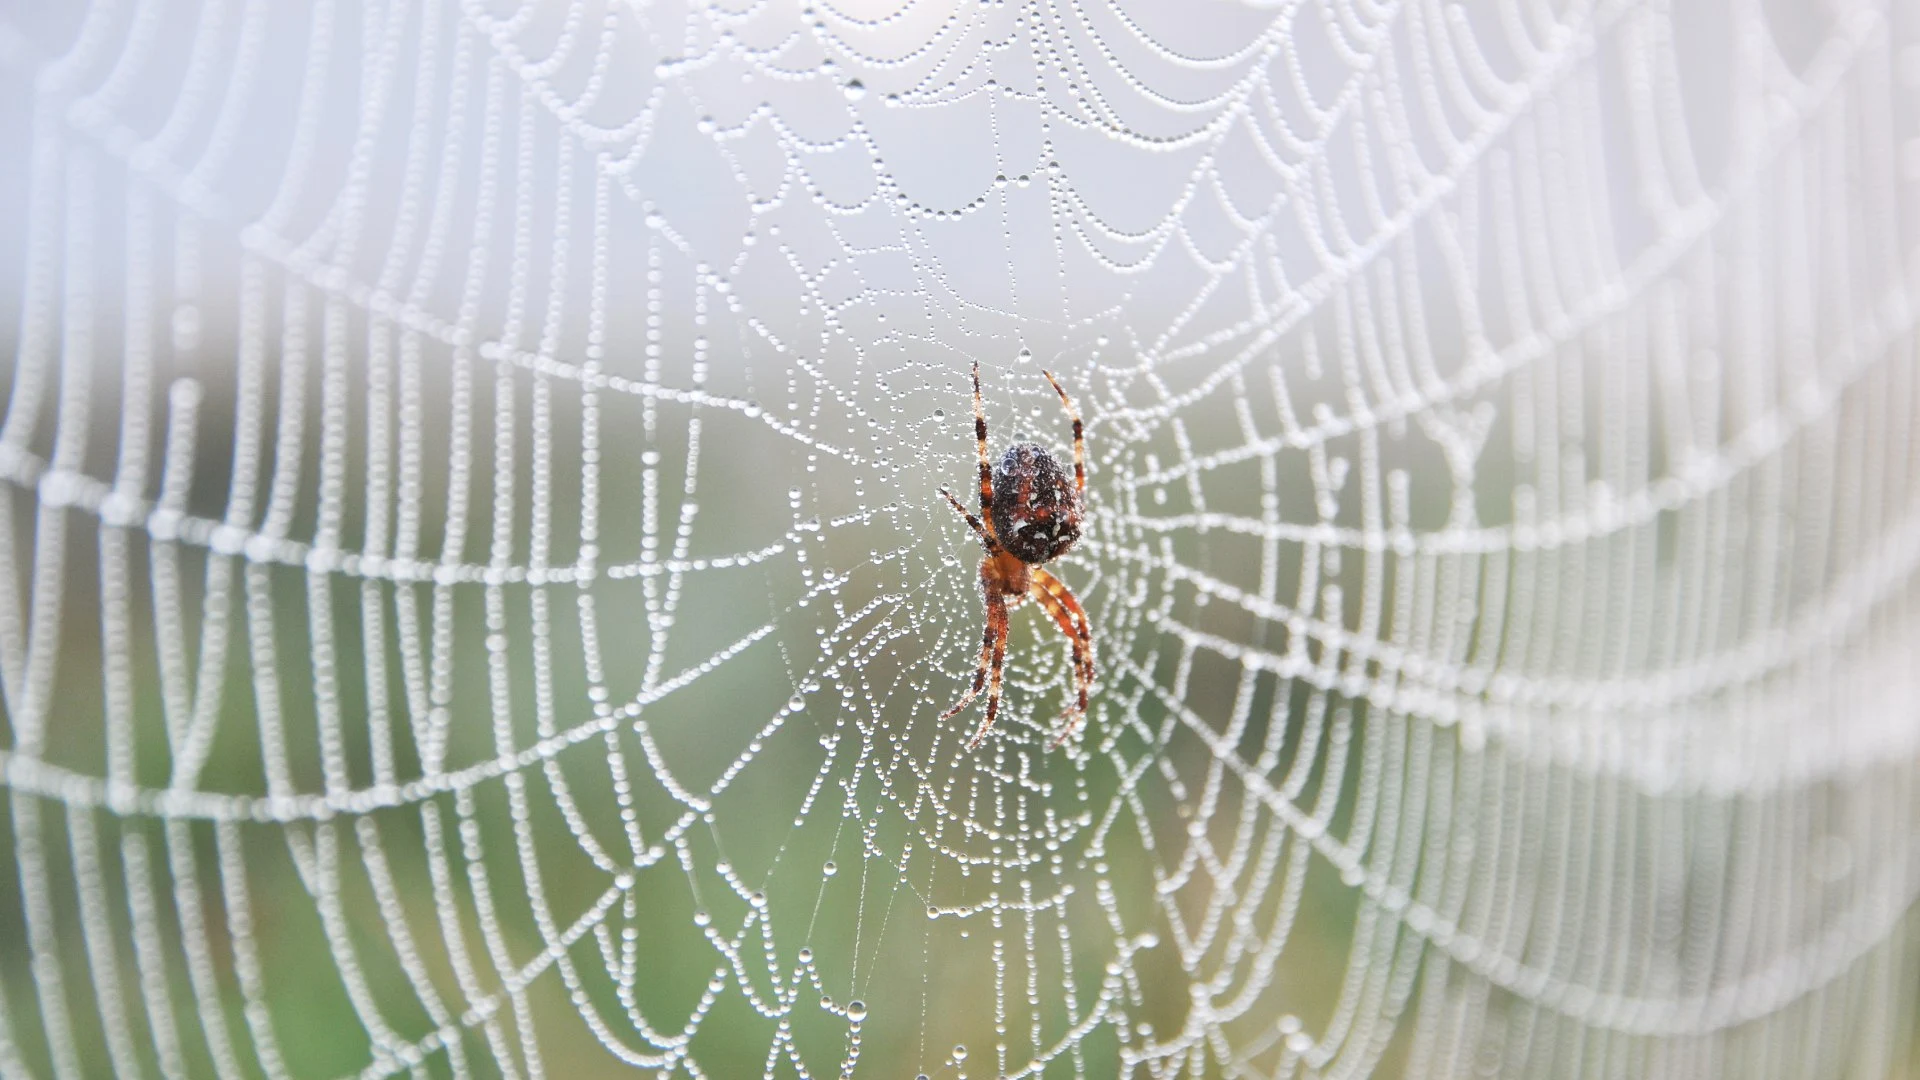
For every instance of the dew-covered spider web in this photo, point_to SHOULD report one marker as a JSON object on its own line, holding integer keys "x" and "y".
{"x": 474, "y": 597}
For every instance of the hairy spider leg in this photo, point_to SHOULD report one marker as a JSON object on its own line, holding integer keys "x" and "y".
{"x": 979, "y": 673}
{"x": 986, "y": 646}
{"x": 980, "y": 440}
{"x": 996, "y": 633}
{"x": 1079, "y": 435}
{"x": 982, "y": 530}
{"x": 1064, "y": 619}
{"x": 1053, "y": 594}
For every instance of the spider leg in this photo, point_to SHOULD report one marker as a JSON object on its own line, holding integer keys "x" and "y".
{"x": 979, "y": 673}
{"x": 980, "y": 439}
{"x": 1053, "y": 594}
{"x": 997, "y": 634}
{"x": 1082, "y": 629}
{"x": 1079, "y": 435}
{"x": 1064, "y": 619}
{"x": 983, "y": 531}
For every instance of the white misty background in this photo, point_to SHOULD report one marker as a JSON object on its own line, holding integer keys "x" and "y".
{"x": 474, "y": 599}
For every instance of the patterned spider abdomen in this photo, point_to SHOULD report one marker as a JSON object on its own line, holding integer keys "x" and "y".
{"x": 1036, "y": 512}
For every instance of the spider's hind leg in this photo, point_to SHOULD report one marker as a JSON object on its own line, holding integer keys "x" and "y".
{"x": 980, "y": 440}
{"x": 1079, "y": 435}
{"x": 981, "y": 529}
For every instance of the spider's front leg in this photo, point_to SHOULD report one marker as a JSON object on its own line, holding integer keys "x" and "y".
{"x": 997, "y": 641}
{"x": 993, "y": 646}
{"x": 996, "y": 636}
{"x": 1058, "y": 601}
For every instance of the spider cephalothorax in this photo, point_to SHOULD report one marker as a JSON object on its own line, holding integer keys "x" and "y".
{"x": 1029, "y": 515}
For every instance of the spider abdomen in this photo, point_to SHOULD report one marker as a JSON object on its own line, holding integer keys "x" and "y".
{"x": 1036, "y": 511}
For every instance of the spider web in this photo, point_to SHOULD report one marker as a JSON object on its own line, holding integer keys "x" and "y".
{"x": 476, "y": 601}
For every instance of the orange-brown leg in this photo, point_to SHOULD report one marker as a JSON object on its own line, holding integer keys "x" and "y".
{"x": 997, "y": 636}
{"x": 1082, "y": 629}
{"x": 980, "y": 672}
{"x": 986, "y": 646}
{"x": 1059, "y": 601}
{"x": 982, "y": 530}
{"x": 1079, "y": 435}
{"x": 980, "y": 440}
{"x": 1064, "y": 619}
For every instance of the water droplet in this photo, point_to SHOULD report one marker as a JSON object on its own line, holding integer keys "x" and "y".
{"x": 938, "y": 413}
{"x": 806, "y": 955}
{"x": 856, "y": 1011}
{"x": 855, "y": 89}
{"x": 830, "y": 868}
{"x": 960, "y": 1052}
{"x": 186, "y": 328}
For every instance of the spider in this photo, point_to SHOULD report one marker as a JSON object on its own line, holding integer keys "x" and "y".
{"x": 1029, "y": 516}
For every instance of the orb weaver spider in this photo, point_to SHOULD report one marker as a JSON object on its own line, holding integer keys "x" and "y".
{"x": 1029, "y": 516}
